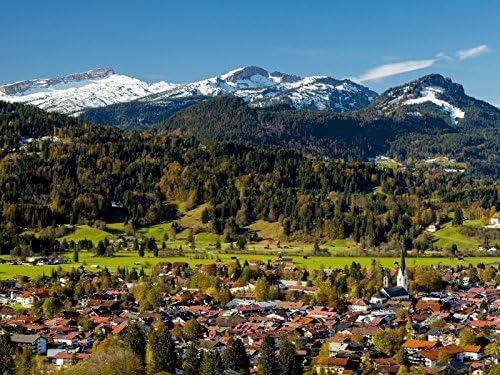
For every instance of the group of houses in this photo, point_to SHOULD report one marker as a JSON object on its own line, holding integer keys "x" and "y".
{"x": 433, "y": 323}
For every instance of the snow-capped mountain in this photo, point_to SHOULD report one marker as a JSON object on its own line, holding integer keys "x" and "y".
{"x": 96, "y": 90}
{"x": 78, "y": 92}
{"x": 261, "y": 88}
{"x": 433, "y": 95}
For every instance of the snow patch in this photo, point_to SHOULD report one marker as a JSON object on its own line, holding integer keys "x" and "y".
{"x": 428, "y": 94}
{"x": 75, "y": 96}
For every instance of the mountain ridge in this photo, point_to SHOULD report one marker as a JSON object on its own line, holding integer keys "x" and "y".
{"x": 95, "y": 90}
{"x": 22, "y": 86}
{"x": 432, "y": 95}
{"x": 74, "y": 93}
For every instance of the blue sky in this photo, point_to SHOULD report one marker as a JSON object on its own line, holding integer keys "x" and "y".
{"x": 181, "y": 41}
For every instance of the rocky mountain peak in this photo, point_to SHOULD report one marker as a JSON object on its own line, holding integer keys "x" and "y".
{"x": 246, "y": 72}
{"x": 20, "y": 88}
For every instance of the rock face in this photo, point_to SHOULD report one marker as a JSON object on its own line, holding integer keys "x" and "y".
{"x": 75, "y": 93}
{"x": 19, "y": 88}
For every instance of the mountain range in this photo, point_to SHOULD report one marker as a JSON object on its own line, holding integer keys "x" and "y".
{"x": 320, "y": 115}
{"x": 105, "y": 97}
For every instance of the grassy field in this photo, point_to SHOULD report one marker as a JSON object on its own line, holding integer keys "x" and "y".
{"x": 269, "y": 234}
{"x": 85, "y": 232}
{"x": 449, "y": 234}
{"x": 267, "y": 247}
{"x": 130, "y": 260}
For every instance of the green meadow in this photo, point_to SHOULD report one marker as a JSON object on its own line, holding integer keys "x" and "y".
{"x": 449, "y": 234}
{"x": 132, "y": 260}
{"x": 267, "y": 248}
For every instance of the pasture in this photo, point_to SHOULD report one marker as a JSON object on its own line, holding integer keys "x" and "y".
{"x": 133, "y": 260}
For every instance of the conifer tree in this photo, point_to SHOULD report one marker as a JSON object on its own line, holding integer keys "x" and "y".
{"x": 161, "y": 354}
{"x": 289, "y": 362}
{"x": 135, "y": 338}
{"x": 24, "y": 362}
{"x": 267, "y": 363}
{"x": 459, "y": 217}
{"x": 6, "y": 351}
{"x": 101, "y": 248}
{"x": 192, "y": 361}
{"x": 235, "y": 357}
{"x": 211, "y": 364}
{"x": 192, "y": 329}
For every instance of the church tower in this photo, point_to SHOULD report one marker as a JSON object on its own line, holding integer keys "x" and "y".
{"x": 402, "y": 279}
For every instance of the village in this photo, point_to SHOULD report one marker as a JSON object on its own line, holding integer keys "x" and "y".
{"x": 450, "y": 330}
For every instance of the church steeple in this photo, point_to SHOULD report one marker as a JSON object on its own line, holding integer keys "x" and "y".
{"x": 402, "y": 262}
{"x": 402, "y": 279}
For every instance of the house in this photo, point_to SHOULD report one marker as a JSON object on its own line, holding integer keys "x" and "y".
{"x": 212, "y": 345}
{"x": 386, "y": 365}
{"x": 495, "y": 221}
{"x": 432, "y": 228}
{"x": 7, "y": 312}
{"x": 321, "y": 314}
{"x": 36, "y": 343}
{"x": 64, "y": 358}
{"x": 359, "y": 304}
{"x": 70, "y": 339}
{"x": 255, "y": 262}
{"x": 335, "y": 346}
{"x": 431, "y": 306}
{"x": 414, "y": 347}
{"x": 472, "y": 352}
{"x": 286, "y": 305}
{"x": 28, "y": 297}
{"x": 326, "y": 365}
{"x": 431, "y": 357}
{"x": 445, "y": 336}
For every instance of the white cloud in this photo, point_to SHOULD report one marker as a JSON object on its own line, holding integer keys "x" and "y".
{"x": 473, "y": 52}
{"x": 388, "y": 70}
{"x": 392, "y": 69}
{"x": 443, "y": 56}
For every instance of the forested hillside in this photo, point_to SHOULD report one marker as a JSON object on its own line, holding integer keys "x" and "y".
{"x": 354, "y": 136}
{"x": 88, "y": 173}
{"x": 138, "y": 114}
{"x": 331, "y": 134}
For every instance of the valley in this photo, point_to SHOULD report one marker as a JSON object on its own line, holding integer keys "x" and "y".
{"x": 250, "y": 188}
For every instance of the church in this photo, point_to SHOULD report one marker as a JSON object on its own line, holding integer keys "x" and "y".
{"x": 398, "y": 292}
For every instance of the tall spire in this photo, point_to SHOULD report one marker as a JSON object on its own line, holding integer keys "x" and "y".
{"x": 402, "y": 262}
{"x": 402, "y": 279}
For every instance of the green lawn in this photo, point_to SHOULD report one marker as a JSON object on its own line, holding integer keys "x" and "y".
{"x": 156, "y": 231}
{"x": 117, "y": 229}
{"x": 266, "y": 230}
{"x": 131, "y": 260}
{"x": 449, "y": 234}
{"x": 86, "y": 232}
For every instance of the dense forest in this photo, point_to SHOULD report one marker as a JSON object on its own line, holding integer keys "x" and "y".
{"x": 350, "y": 136}
{"x": 138, "y": 114}
{"x": 85, "y": 173}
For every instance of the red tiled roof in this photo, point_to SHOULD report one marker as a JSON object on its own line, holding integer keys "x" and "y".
{"x": 471, "y": 348}
{"x": 419, "y": 344}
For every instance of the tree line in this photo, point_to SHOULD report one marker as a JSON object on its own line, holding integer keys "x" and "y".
{"x": 91, "y": 174}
